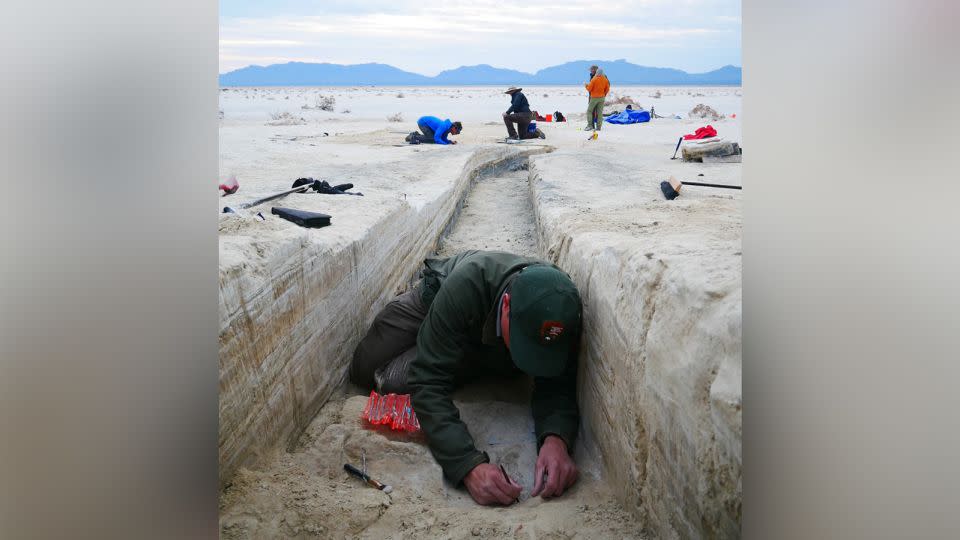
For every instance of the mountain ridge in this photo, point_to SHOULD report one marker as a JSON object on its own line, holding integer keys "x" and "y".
{"x": 569, "y": 73}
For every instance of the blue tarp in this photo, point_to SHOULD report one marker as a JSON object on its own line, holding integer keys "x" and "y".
{"x": 628, "y": 117}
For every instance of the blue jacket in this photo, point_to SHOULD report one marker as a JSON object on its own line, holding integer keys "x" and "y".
{"x": 441, "y": 128}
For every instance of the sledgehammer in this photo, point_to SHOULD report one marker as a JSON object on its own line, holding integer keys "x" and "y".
{"x": 677, "y": 148}
{"x": 671, "y": 189}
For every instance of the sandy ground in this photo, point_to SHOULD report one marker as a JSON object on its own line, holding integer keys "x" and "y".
{"x": 304, "y": 492}
{"x": 470, "y": 104}
{"x": 497, "y": 215}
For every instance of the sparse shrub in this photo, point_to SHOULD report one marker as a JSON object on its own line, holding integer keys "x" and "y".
{"x": 400, "y": 95}
{"x": 706, "y": 112}
{"x": 285, "y": 118}
{"x": 345, "y": 111}
{"x": 325, "y": 103}
{"x": 395, "y": 117}
{"x": 616, "y": 99}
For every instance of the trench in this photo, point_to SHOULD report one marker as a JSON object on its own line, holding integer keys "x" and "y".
{"x": 302, "y": 491}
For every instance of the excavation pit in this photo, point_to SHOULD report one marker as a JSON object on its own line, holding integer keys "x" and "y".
{"x": 659, "y": 391}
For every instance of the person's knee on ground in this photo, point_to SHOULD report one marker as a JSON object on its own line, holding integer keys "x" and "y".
{"x": 394, "y": 331}
{"x": 391, "y": 378}
{"x": 523, "y": 127}
{"x": 426, "y": 134}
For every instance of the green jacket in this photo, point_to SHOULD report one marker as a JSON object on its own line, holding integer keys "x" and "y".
{"x": 458, "y": 340}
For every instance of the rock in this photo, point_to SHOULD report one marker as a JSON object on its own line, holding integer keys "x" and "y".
{"x": 736, "y": 158}
{"x": 696, "y": 152}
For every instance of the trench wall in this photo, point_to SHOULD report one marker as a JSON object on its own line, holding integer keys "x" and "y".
{"x": 289, "y": 323}
{"x": 659, "y": 388}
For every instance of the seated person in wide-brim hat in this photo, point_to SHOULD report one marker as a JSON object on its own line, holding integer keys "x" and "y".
{"x": 520, "y": 114}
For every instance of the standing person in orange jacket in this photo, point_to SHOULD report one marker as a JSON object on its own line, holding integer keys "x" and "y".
{"x": 598, "y": 87}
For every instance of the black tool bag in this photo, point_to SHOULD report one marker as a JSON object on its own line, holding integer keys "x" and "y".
{"x": 311, "y": 220}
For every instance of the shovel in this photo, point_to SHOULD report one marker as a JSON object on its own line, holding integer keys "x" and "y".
{"x": 671, "y": 189}
{"x": 296, "y": 189}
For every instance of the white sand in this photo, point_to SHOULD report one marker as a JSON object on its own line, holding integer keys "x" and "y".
{"x": 599, "y": 214}
{"x": 471, "y": 104}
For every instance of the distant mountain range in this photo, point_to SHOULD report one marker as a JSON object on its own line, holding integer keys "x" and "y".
{"x": 619, "y": 72}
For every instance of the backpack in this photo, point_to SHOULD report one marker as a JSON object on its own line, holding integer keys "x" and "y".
{"x": 558, "y": 117}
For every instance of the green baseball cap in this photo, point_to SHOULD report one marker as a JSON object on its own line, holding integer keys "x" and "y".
{"x": 544, "y": 320}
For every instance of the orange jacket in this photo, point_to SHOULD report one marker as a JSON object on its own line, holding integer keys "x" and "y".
{"x": 598, "y": 86}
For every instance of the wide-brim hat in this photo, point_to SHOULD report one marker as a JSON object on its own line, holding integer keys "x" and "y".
{"x": 512, "y": 89}
{"x": 544, "y": 320}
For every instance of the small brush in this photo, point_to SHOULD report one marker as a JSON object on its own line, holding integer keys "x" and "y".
{"x": 366, "y": 478}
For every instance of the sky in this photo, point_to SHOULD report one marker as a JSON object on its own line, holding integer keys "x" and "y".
{"x": 428, "y": 37}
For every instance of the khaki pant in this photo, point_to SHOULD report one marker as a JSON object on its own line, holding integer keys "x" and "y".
{"x": 595, "y": 113}
{"x": 383, "y": 357}
{"x": 523, "y": 122}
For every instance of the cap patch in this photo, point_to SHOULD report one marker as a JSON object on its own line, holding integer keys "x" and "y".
{"x": 550, "y": 332}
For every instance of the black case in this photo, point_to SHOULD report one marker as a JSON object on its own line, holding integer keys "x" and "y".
{"x": 311, "y": 220}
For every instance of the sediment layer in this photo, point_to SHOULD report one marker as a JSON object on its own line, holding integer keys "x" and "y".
{"x": 294, "y": 302}
{"x": 659, "y": 388}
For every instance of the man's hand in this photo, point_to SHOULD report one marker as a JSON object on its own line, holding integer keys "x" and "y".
{"x": 555, "y": 461}
{"x": 453, "y": 142}
{"x": 487, "y": 485}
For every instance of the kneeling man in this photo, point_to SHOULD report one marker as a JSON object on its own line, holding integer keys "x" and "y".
{"x": 482, "y": 312}
{"x": 434, "y": 131}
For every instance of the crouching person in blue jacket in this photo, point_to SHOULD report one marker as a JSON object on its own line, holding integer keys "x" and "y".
{"x": 434, "y": 131}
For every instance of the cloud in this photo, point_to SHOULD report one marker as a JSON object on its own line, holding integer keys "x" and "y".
{"x": 430, "y": 38}
{"x": 259, "y": 42}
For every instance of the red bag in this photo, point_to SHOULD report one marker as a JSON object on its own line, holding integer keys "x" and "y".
{"x": 701, "y": 133}
{"x": 395, "y": 411}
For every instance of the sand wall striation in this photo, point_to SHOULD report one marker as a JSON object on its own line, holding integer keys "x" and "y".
{"x": 294, "y": 305}
{"x": 660, "y": 377}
